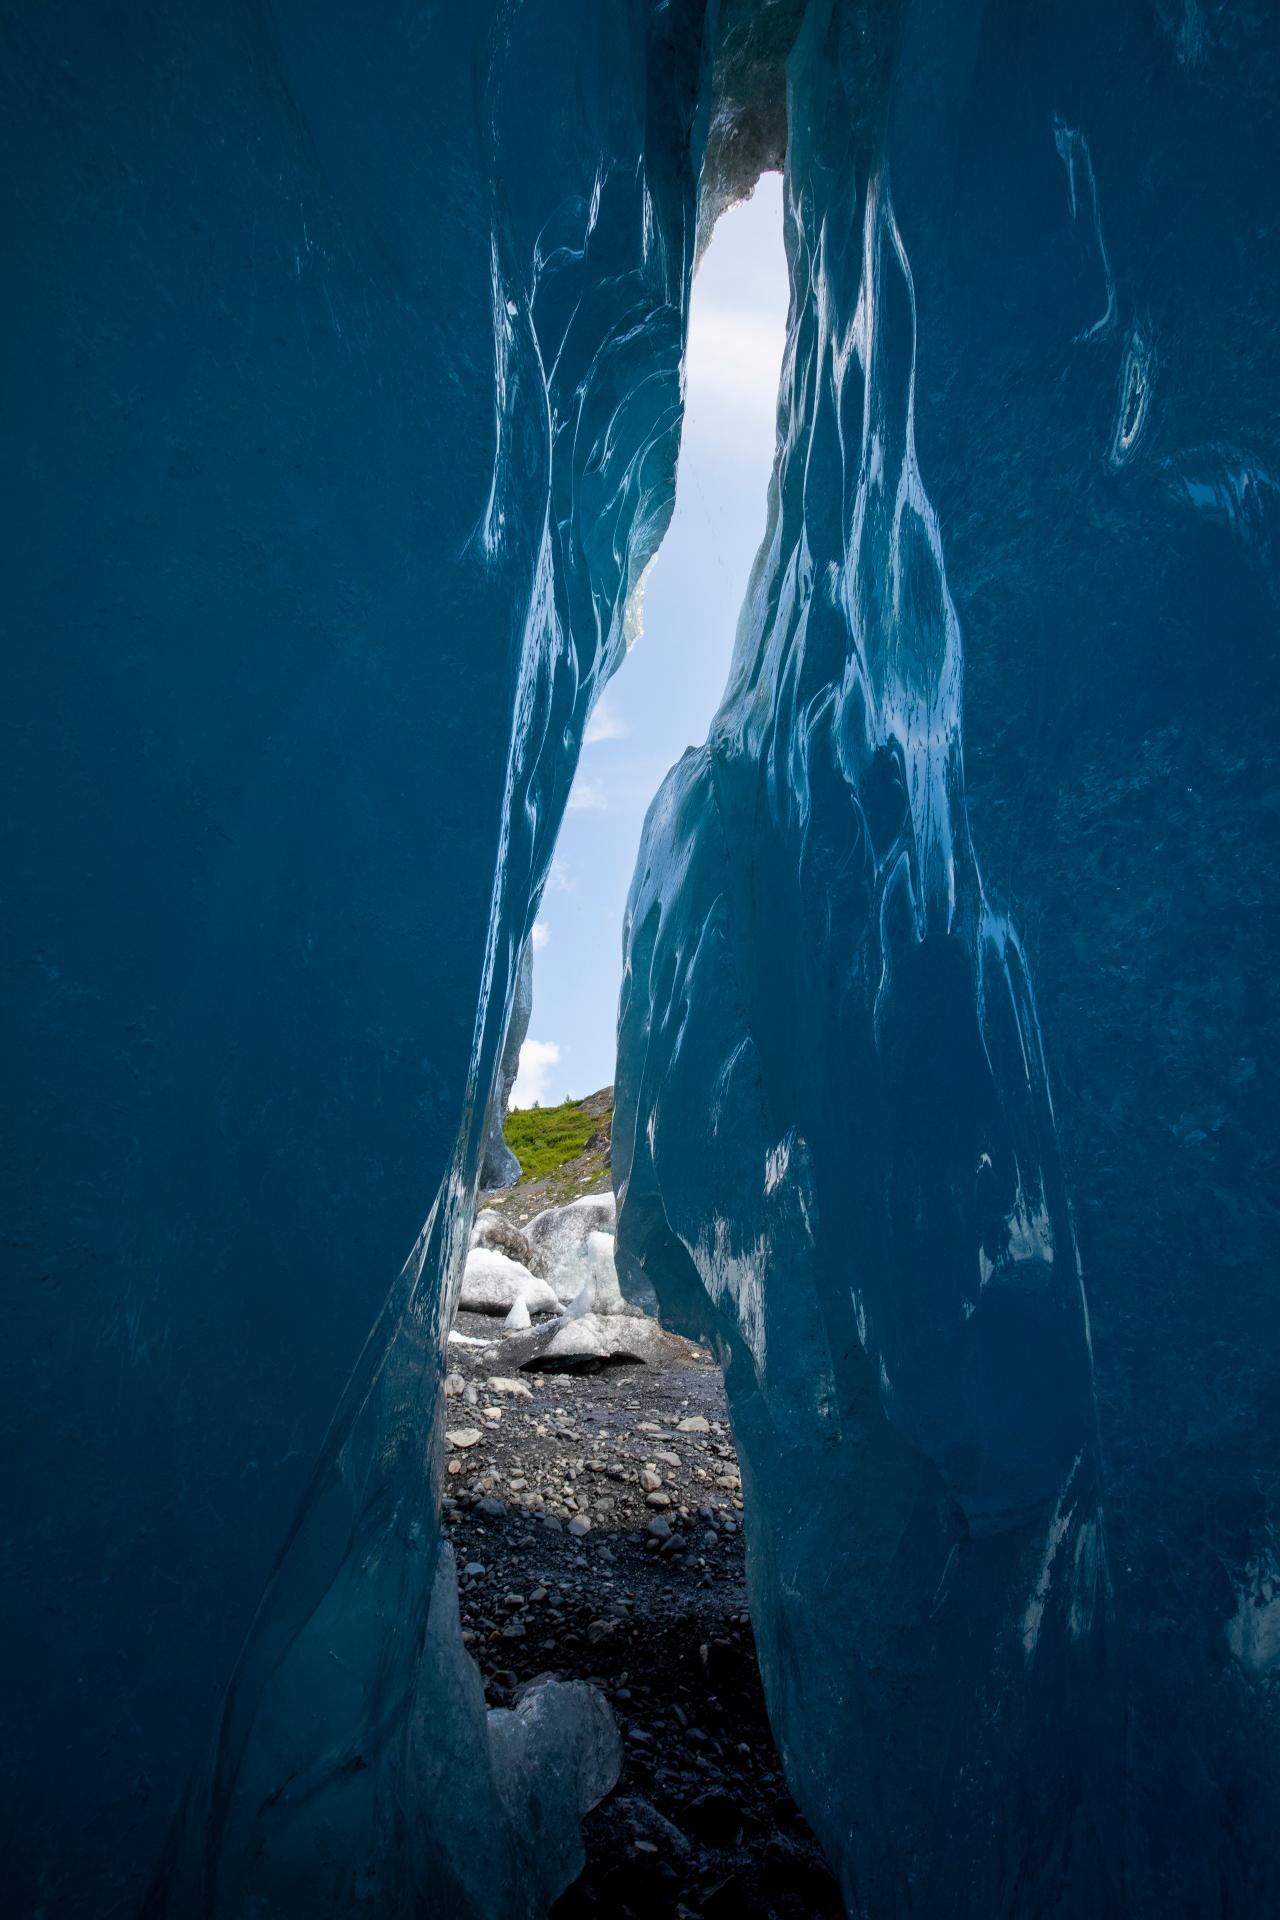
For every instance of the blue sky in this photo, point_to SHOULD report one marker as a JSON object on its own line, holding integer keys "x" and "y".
{"x": 663, "y": 696}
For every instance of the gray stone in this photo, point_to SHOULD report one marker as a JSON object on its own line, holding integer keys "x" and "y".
{"x": 501, "y": 1236}
{"x": 571, "y": 1342}
{"x": 499, "y": 1383}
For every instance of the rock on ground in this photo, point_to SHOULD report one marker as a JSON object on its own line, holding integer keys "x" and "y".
{"x": 587, "y": 1340}
{"x": 504, "y": 1236}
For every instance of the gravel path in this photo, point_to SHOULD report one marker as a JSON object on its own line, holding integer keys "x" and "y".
{"x": 596, "y": 1519}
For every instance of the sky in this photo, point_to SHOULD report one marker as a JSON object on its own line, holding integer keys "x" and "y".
{"x": 662, "y": 698}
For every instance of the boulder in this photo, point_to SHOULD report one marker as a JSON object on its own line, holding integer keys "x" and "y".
{"x": 504, "y": 1236}
{"x": 590, "y": 1340}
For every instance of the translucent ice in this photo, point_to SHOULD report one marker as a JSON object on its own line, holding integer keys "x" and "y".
{"x": 1023, "y": 301}
{"x": 492, "y": 1283}
{"x": 348, "y": 419}
{"x": 500, "y": 1168}
{"x": 560, "y": 1238}
{"x": 348, "y": 352}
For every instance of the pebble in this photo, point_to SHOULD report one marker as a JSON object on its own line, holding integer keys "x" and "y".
{"x": 588, "y": 1470}
{"x": 499, "y": 1383}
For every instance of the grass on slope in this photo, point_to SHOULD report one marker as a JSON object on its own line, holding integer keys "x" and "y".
{"x": 543, "y": 1138}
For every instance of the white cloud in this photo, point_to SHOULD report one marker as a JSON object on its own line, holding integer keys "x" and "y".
{"x": 587, "y": 796}
{"x": 734, "y": 357}
{"x": 605, "y": 724}
{"x": 559, "y": 879}
{"x": 540, "y": 935}
{"x": 537, "y": 1057}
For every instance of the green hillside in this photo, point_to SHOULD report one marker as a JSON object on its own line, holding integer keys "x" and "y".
{"x": 544, "y": 1138}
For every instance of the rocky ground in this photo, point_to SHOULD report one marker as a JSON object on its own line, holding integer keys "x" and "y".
{"x": 597, "y": 1524}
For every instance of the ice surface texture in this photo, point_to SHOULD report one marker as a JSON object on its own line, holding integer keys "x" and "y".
{"x": 348, "y": 413}
{"x": 346, "y": 406}
{"x": 499, "y": 1166}
{"x": 1027, "y": 425}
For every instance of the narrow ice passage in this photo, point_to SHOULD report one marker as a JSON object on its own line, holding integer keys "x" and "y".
{"x": 346, "y": 419}
{"x": 661, "y": 700}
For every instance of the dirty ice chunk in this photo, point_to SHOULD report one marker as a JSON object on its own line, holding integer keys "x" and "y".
{"x": 492, "y": 1283}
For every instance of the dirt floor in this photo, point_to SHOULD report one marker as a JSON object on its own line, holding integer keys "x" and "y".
{"x": 596, "y": 1521}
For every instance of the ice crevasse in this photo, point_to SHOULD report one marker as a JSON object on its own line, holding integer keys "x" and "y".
{"x": 1011, "y": 1485}
{"x": 349, "y": 414}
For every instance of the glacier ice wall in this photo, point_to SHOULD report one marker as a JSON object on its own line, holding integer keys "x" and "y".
{"x": 348, "y": 401}
{"x": 498, "y": 1165}
{"x": 346, "y": 411}
{"x": 1014, "y": 1577}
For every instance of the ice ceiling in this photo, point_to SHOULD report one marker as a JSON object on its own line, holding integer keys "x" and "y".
{"x": 348, "y": 406}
